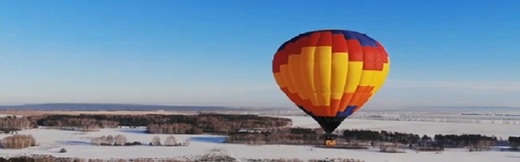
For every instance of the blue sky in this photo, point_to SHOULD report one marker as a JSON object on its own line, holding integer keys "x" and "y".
{"x": 444, "y": 53}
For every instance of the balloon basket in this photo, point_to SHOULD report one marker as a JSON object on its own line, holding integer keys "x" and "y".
{"x": 330, "y": 141}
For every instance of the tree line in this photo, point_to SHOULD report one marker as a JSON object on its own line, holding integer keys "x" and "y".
{"x": 94, "y": 121}
{"x": 176, "y": 128}
{"x": 12, "y": 124}
{"x": 383, "y": 136}
{"x": 169, "y": 141}
{"x": 310, "y": 136}
{"x": 222, "y": 158}
{"x": 168, "y": 124}
{"x": 117, "y": 140}
{"x": 298, "y": 136}
{"x": 514, "y": 142}
{"x": 474, "y": 141}
{"x": 49, "y": 158}
{"x": 121, "y": 140}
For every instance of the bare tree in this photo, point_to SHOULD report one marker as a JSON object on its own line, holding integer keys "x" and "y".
{"x": 18, "y": 141}
{"x": 96, "y": 140}
{"x": 119, "y": 140}
{"x": 12, "y": 123}
{"x": 110, "y": 139}
{"x": 104, "y": 140}
{"x": 170, "y": 141}
{"x": 156, "y": 141}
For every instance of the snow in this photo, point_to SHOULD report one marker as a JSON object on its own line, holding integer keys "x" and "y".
{"x": 50, "y": 141}
{"x": 416, "y": 127}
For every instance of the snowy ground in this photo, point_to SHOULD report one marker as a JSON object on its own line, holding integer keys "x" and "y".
{"x": 77, "y": 144}
{"x": 421, "y": 128}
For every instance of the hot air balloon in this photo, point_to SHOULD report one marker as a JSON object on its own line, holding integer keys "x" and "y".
{"x": 330, "y": 74}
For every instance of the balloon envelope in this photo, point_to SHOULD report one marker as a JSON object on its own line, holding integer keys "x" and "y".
{"x": 330, "y": 74}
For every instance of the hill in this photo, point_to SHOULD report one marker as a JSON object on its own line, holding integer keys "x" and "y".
{"x": 112, "y": 107}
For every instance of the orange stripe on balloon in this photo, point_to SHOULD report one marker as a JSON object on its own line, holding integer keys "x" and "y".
{"x": 345, "y": 100}
{"x": 334, "y": 106}
{"x": 306, "y": 104}
{"x": 366, "y": 97}
{"x": 293, "y": 97}
{"x": 363, "y": 93}
{"x": 321, "y": 111}
{"x": 365, "y": 88}
{"x": 357, "y": 99}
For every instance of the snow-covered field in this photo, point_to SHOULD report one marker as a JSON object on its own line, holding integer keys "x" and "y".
{"x": 421, "y": 128}
{"x": 77, "y": 144}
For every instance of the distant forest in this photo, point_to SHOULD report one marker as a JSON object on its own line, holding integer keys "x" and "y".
{"x": 252, "y": 129}
{"x": 163, "y": 124}
{"x": 111, "y": 107}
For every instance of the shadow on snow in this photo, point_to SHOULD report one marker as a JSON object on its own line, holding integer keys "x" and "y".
{"x": 134, "y": 131}
{"x": 74, "y": 142}
{"x": 209, "y": 139}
